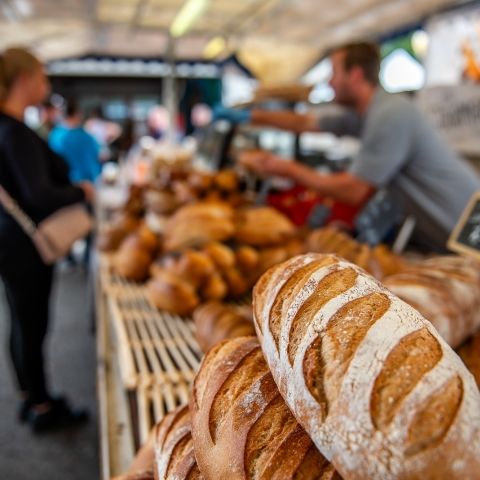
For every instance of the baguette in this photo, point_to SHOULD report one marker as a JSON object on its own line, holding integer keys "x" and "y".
{"x": 174, "y": 455}
{"x": 241, "y": 427}
{"x": 372, "y": 382}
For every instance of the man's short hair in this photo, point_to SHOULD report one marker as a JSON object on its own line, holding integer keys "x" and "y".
{"x": 365, "y": 55}
{"x": 71, "y": 108}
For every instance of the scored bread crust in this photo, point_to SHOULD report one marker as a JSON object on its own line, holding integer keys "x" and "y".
{"x": 241, "y": 426}
{"x": 173, "y": 447}
{"x": 371, "y": 381}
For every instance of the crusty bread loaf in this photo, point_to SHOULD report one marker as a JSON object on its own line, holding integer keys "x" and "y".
{"x": 215, "y": 321}
{"x": 132, "y": 262}
{"x": 446, "y": 291}
{"x": 241, "y": 427}
{"x": 376, "y": 387}
{"x": 195, "y": 267}
{"x": 171, "y": 293}
{"x": 263, "y": 226}
{"x": 198, "y": 224}
{"x": 378, "y": 261}
{"x": 174, "y": 456}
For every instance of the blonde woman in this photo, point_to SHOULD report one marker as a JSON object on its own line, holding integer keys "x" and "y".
{"x": 38, "y": 180}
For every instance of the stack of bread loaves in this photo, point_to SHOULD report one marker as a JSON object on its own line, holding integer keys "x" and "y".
{"x": 372, "y": 382}
{"x": 446, "y": 291}
{"x": 345, "y": 381}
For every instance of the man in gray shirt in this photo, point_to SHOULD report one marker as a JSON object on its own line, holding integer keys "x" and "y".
{"x": 400, "y": 149}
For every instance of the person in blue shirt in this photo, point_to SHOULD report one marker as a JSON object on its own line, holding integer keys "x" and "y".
{"x": 81, "y": 152}
{"x": 79, "y": 149}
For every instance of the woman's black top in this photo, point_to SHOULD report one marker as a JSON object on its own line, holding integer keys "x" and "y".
{"x": 35, "y": 176}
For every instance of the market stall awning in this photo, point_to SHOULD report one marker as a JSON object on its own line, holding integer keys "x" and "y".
{"x": 276, "y": 39}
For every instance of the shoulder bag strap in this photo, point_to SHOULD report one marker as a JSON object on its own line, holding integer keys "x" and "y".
{"x": 12, "y": 207}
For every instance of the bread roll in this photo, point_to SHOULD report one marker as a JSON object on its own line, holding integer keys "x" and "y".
{"x": 226, "y": 180}
{"x": 215, "y": 321}
{"x": 214, "y": 288}
{"x": 132, "y": 260}
{"x": 160, "y": 202}
{"x": 236, "y": 282}
{"x": 247, "y": 258}
{"x": 171, "y": 293}
{"x": 263, "y": 226}
{"x": 198, "y": 224}
{"x": 174, "y": 456}
{"x": 372, "y": 382}
{"x": 222, "y": 256}
{"x": 446, "y": 291}
{"x": 192, "y": 266}
{"x": 241, "y": 427}
{"x": 200, "y": 181}
{"x": 113, "y": 235}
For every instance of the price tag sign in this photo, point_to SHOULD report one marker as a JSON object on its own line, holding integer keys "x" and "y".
{"x": 465, "y": 238}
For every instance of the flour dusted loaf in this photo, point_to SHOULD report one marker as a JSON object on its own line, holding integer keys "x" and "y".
{"x": 372, "y": 382}
{"x": 174, "y": 456}
{"x": 241, "y": 426}
{"x": 446, "y": 291}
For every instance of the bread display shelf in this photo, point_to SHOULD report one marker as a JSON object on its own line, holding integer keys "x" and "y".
{"x": 154, "y": 402}
{"x": 154, "y": 347}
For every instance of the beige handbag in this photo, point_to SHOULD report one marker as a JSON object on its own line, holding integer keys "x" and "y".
{"x": 54, "y": 236}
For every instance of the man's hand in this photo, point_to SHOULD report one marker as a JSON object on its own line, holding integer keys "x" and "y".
{"x": 264, "y": 163}
{"x": 235, "y": 116}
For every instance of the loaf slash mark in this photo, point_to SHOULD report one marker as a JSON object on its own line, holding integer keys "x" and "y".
{"x": 267, "y": 434}
{"x": 414, "y": 356}
{"x": 328, "y": 357}
{"x": 251, "y": 368}
{"x": 433, "y": 420}
{"x": 331, "y": 286}
{"x": 288, "y": 291}
{"x": 314, "y": 372}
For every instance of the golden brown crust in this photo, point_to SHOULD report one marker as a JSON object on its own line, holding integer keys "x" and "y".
{"x": 174, "y": 454}
{"x": 199, "y": 224}
{"x": 263, "y": 226}
{"x": 241, "y": 426}
{"x": 370, "y": 380}
{"x": 215, "y": 322}
{"x": 171, "y": 293}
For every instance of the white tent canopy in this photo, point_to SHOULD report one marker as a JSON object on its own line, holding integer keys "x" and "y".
{"x": 277, "y": 39}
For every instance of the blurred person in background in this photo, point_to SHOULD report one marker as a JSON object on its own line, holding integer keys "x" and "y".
{"x": 37, "y": 178}
{"x": 400, "y": 149}
{"x": 49, "y": 116}
{"x": 158, "y": 122}
{"x": 78, "y": 147}
{"x": 104, "y": 131}
{"x": 81, "y": 152}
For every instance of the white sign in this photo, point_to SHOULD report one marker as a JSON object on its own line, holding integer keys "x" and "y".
{"x": 455, "y": 111}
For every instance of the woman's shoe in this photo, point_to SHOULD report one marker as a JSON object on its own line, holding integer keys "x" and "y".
{"x": 59, "y": 415}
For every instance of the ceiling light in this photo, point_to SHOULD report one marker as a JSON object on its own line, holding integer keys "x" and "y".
{"x": 186, "y": 17}
{"x": 214, "y": 47}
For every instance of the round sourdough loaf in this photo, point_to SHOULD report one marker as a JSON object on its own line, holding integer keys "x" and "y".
{"x": 372, "y": 382}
